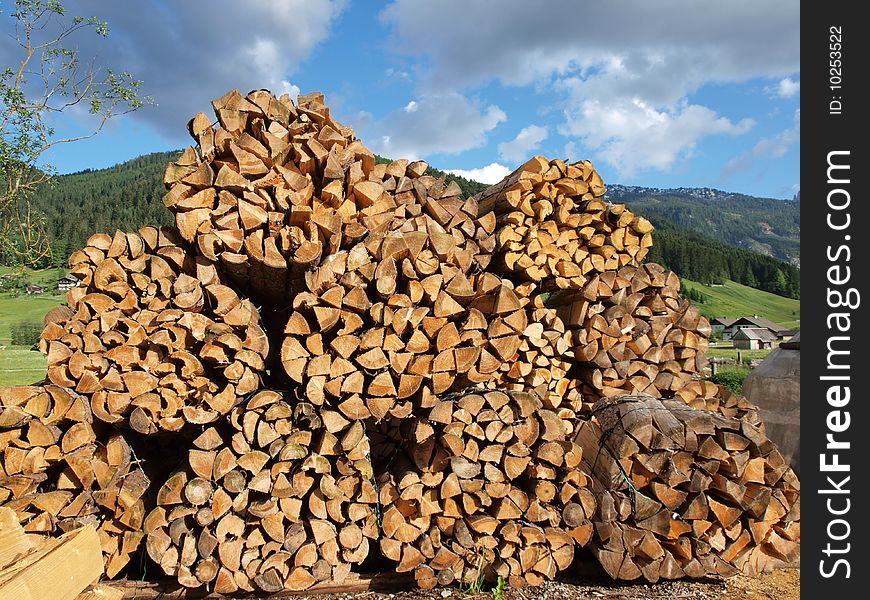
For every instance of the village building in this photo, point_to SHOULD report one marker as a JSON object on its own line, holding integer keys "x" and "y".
{"x": 67, "y": 282}
{"x": 755, "y": 338}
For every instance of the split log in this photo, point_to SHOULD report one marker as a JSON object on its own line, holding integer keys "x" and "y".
{"x": 685, "y": 492}
{"x": 14, "y": 541}
{"x": 277, "y": 497}
{"x": 486, "y": 484}
{"x": 60, "y": 471}
{"x": 156, "y": 340}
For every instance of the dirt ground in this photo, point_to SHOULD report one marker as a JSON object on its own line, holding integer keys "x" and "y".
{"x": 783, "y": 584}
{"x": 584, "y": 580}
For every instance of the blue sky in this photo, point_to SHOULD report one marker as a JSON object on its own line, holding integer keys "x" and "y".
{"x": 668, "y": 93}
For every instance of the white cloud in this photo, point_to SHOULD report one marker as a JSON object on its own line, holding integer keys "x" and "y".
{"x": 189, "y": 53}
{"x": 491, "y": 173}
{"x": 518, "y": 45}
{"x": 518, "y": 149}
{"x": 288, "y": 88}
{"x": 766, "y": 148}
{"x": 786, "y": 88}
{"x": 390, "y": 73}
{"x": 633, "y": 136}
{"x": 570, "y": 151}
{"x": 448, "y": 123}
{"x": 776, "y": 146}
{"x": 624, "y": 84}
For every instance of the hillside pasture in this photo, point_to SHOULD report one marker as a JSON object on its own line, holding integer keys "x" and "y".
{"x": 734, "y": 300}
{"x": 19, "y": 365}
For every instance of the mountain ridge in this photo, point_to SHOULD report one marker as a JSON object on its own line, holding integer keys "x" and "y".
{"x": 766, "y": 226}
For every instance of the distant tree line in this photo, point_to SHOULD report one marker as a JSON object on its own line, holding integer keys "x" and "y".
{"x": 735, "y": 219}
{"x": 74, "y": 207}
{"x": 694, "y": 295}
{"x": 709, "y": 261}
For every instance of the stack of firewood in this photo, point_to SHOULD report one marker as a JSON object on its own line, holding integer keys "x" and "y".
{"x": 386, "y": 324}
{"x": 279, "y": 497}
{"x": 156, "y": 340}
{"x": 485, "y": 485}
{"x": 684, "y": 492}
{"x": 247, "y": 198}
{"x": 329, "y": 351}
{"x": 554, "y": 227}
{"x": 633, "y": 334}
{"x": 60, "y": 470}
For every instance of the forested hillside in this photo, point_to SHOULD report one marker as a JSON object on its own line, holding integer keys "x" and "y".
{"x": 125, "y": 196}
{"x": 709, "y": 261}
{"x": 128, "y": 196}
{"x": 763, "y": 225}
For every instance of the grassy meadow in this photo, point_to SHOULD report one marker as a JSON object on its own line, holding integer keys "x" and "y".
{"x": 19, "y": 364}
{"x": 736, "y": 300}
{"x": 732, "y": 353}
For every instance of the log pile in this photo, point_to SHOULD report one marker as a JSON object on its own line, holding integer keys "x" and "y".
{"x": 274, "y": 188}
{"x": 242, "y": 199}
{"x": 485, "y": 486}
{"x": 60, "y": 470}
{"x": 388, "y": 325}
{"x": 686, "y": 492}
{"x": 440, "y": 385}
{"x": 278, "y": 497}
{"x": 387, "y": 355}
{"x": 554, "y": 226}
{"x": 633, "y": 334}
{"x": 543, "y": 359}
{"x": 156, "y": 340}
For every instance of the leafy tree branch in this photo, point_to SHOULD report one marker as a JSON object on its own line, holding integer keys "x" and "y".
{"x": 48, "y": 78}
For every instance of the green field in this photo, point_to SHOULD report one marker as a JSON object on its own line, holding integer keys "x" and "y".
{"x": 735, "y": 300}
{"x": 19, "y": 364}
{"x": 745, "y": 355}
{"x": 24, "y": 309}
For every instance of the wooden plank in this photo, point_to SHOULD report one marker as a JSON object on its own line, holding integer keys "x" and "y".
{"x": 13, "y": 541}
{"x": 60, "y": 569}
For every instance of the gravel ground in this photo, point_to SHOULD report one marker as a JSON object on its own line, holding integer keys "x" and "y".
{"x": 783, "y": 584}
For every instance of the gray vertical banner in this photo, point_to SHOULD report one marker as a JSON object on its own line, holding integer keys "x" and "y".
{"x": 835, "y": 453}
